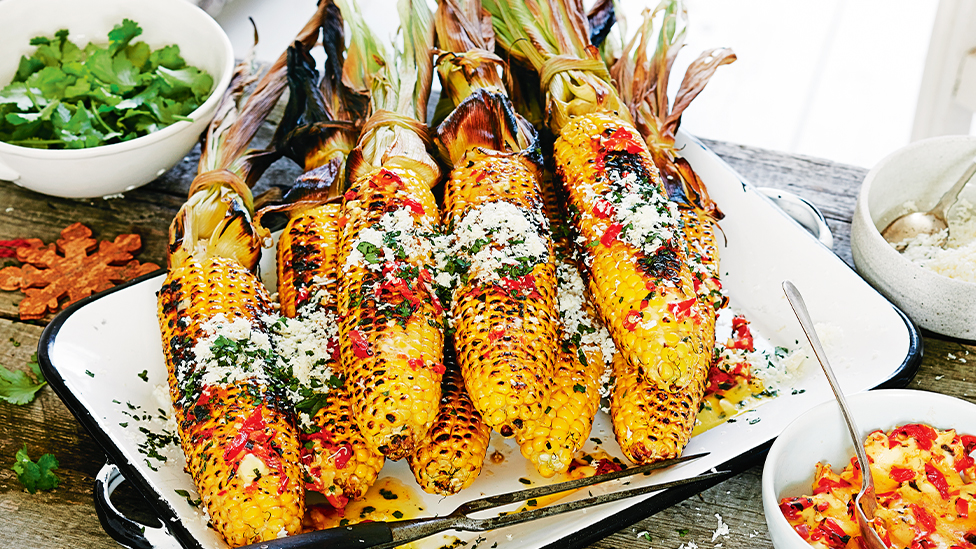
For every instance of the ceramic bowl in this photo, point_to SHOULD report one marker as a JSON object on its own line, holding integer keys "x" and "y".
{"x": 820, "y": 434}
{"x": 111, "y": 169}
{"x": 921, "y": 173}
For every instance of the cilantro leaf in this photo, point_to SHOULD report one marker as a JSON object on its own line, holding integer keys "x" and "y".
{"x": 120, "y": 35}
{"x": 189, "y": 499}
{"x": 168, "y": 57}
{"x": 17, "y": 388}
{"x": 36, "y": 476}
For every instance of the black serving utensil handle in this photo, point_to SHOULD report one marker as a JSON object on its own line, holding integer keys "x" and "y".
{"x": 366, "y": 534}
{"x": 355, "y": 536}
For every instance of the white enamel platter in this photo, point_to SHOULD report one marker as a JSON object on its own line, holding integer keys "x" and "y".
{"x": 114, "y": 336}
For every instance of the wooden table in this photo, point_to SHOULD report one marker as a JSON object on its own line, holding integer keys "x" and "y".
{"x": 66, "y": 516}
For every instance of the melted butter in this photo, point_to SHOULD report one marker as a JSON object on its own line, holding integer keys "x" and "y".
{"x": 720, "y": 407}
{"x": 387, "y": 500}
{"x": 580, "y": 468}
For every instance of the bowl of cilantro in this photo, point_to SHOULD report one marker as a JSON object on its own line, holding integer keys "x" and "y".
{"x": 98, "y": 97}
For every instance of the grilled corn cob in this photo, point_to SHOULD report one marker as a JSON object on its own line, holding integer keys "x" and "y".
{"x": 451, "y": 457}
{"x": 628, "y": 233}
{"x": 391, "y": 340}
{"x": 336, "y": 459}
{"x": 503, "y": 300}
{"x": 643, "y": 88}
{"x": 241, "y": 446}
{"x": 235, "y": 423}
{"x": 583, "y": 360}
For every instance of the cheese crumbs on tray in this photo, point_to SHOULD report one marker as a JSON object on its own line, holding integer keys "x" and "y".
{"x": 925, "y": 480}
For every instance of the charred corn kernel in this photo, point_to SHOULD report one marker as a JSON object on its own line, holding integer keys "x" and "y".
{"x": 241, "y": 445}
{"x": 504, "y": 308}
{"x": 307, "y": 251}
{"x": 451, "y": 457}
{"x": 633, "y": 250}
{"x": 652, "y": 423}
{"x": 391, "y": 340}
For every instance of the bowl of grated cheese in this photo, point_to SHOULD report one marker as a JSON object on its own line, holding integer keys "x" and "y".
{"x": 934, "y": 286}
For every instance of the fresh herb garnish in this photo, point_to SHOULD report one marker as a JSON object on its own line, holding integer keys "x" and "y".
{"x": 188, "y": 498}
{"x": 64, "y": 96}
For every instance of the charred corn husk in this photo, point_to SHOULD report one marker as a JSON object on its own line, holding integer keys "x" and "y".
{"x": 235, "y": 420}
{"x": 391, "y": 340}
{"x": 318, "y": 131}
{"x": 451, "y": 457}
{"x": 503, "y": 300}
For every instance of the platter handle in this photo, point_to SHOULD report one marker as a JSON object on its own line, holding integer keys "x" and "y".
{"x": 803, "y": 212}
{"x": 122, "y": 529}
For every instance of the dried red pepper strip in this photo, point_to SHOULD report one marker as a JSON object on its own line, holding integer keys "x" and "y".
{"x": 900, "y": 474}
{"x": 937, "y": 479}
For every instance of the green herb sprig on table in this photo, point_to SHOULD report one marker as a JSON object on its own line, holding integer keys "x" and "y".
{"x": 67, "y": 97}
{"x": 36, "y": 476}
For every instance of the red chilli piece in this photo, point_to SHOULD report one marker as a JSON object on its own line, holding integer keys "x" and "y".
{"x": 622, "y": 139}
{"x": 937, "y": 479}
{"x": 603, "y": 209}
{"x": 923, "y": 434}
{"x": 742, "y": 335}
{"x": 359, "y": 345}
{"x": 923, "y": 518}
{"x": 416, "y": 207}
{"x": 826, "y": 485}
{"x": 632, "y": 319}
{"x": 682, "y": 309}
{"x": 962, "y": 508}
{"x": 900, "y": 474}
{"x": 611, "y": 234}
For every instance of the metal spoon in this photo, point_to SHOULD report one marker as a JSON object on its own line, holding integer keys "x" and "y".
{"x": 930, "y": 222}
{"x": 866, "y": 502}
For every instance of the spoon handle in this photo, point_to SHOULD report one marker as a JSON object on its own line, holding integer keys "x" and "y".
{"x": 800, "y": 308}
{"x": 949, "y": 198}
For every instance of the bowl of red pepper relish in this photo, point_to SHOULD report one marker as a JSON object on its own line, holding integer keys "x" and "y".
{"x": 921, "y": 446}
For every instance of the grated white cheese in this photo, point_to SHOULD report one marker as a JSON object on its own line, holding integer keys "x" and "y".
{"x": 307, "y": 344}
{"x": 958, "y": 259}
{"x": 248, "y": 337}
{"x": 576, "y": 317}
{"x": 499, "y": 234}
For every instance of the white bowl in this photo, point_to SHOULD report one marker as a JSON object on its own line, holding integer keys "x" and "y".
{"x": 820, "y": 434}
{"x": 110, "y": 169}
{"x": 920, "y": 172}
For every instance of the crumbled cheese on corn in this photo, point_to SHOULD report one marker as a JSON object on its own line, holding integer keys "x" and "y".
{"x": 499, "y": 234}
{"x": 231, "y": 368}
{"x": 576, "y": 317}
{"x": 306, "y": 346}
